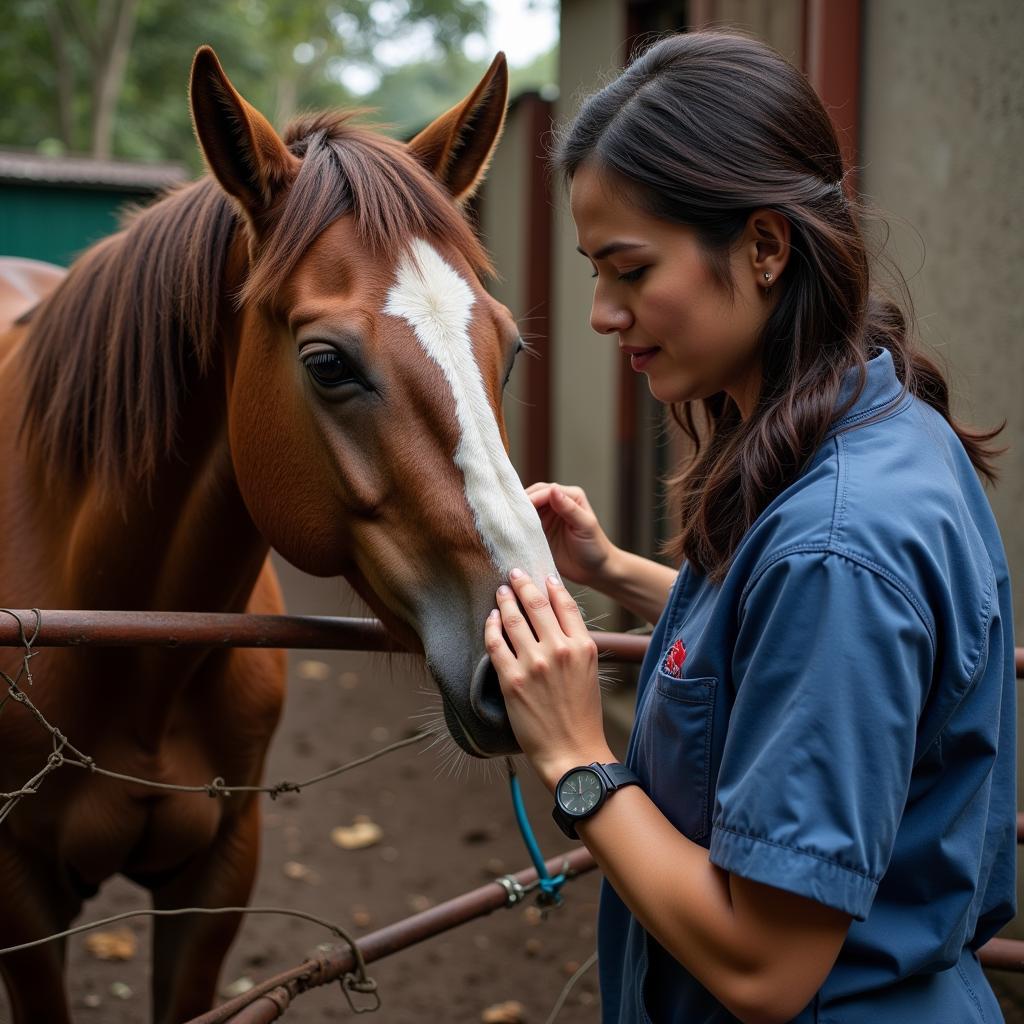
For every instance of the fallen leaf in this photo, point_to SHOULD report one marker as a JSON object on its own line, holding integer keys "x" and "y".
{"x": 495, "y": 867}
{"x": 92, "y": 1000}
{"x": 533, "y": 947}
{"x": 419, "y": 903}
{"x": 348, "y": 680}
{"x": 360, "y": 834}
{"x": 361, "y": 917}
{"x": 119, "y": 944}
{"x": 509, "y": 1012}
{"x": 120, "y": 990}
{"x": 309, "y": 669}
{"x": 238, "y": 987}
{"x": 299, "y": 872}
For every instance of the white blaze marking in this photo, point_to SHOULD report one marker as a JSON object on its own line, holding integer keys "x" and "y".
{"x": 435, "y": 300}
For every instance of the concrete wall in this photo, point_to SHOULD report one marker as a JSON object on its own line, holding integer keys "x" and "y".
{"x": 942, "y": 150}
{"x": 584, "y": 363}
{"x": 779, "y": 22}
{"x": 503, "y": 228}
{"x": 942, "y": 137}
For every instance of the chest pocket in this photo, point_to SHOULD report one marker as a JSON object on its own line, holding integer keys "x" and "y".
{"x": 674, "y": 750}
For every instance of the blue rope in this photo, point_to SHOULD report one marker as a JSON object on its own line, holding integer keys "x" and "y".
{"x": 549, "y": 886}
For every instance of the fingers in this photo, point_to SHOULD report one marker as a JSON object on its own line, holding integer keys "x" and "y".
{"x": 540, "y": 493}
{"x": 494, "y": 643}
{"x": 526, "y": 598}
{"x": 566, "y": 610}
{"x": 569, "y": 508}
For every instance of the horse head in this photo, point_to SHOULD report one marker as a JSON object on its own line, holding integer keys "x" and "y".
{"x": 366, "y": 372}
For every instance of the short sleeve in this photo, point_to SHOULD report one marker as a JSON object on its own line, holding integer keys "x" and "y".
{"x": 831, "y": 665}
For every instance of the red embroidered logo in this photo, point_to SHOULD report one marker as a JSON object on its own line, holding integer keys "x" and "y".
{"x": 674, "y": 659}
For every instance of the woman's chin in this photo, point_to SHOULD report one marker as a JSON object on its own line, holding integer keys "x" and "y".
{"x": 671, "y": 392}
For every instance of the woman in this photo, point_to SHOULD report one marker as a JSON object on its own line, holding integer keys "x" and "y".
{"x": 823, "y": 825}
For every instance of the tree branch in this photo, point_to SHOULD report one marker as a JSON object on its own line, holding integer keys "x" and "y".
{"x": 65, "y": 76}
{"x": 109, "y": 78}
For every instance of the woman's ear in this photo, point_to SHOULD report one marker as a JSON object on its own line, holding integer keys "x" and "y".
{"x": 457, "y": 147}
{"x": 241, "y": 147}
{"x": 767, "y": 241}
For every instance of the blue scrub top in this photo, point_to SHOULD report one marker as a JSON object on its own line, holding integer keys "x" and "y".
{"x": 843, "y": 724}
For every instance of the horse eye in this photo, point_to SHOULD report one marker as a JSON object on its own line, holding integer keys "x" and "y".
{"x": 329, "y": 369}
{"x": 520, "y": 345}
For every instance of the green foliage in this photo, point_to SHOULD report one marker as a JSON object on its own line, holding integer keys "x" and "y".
{"x": 283, "y": 55}
{"x": 412, "y": 95}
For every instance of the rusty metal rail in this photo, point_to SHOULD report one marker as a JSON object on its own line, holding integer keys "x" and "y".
{"x": 202, "y": 629}
{"x": 197, "y": 629}
{"x": 273, "y": 996}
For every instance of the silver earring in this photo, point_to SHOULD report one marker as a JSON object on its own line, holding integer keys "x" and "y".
{"x": 767, "y": 275}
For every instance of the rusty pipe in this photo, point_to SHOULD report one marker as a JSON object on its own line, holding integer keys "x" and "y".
{"x": 208, "y": 629}
{"x": 272, "y": 997}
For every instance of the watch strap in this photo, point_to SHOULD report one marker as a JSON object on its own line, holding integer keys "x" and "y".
{"x": 617, "y": 775}
{"x": 613, "y": 775}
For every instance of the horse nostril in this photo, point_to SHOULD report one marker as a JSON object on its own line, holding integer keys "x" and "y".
{"x": 485, "y": 696}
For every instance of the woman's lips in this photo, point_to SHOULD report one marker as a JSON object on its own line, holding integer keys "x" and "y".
{"x": 640, "y": 357}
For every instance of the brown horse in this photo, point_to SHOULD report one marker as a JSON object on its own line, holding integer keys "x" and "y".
{"x": 295, "y": 352}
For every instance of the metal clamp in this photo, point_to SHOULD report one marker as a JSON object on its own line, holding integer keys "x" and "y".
{"x": 514, "y": 891}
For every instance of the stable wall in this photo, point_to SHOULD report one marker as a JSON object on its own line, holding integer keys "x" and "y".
{"x": 585, "y": 364}
{"x": 942, "y": 152}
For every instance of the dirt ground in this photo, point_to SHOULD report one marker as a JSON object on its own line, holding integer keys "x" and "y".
{"x": 444, "y": 831}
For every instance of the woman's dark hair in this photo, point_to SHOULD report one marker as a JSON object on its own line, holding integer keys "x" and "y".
{"x": 702, "y": 129}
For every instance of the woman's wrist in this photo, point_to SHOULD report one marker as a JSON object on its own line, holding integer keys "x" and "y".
{"x": 639, "y": 584}
{"x": 609, "y": 574}
{"x": 553, "y": 769}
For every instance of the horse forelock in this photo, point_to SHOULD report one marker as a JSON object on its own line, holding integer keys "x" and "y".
{"x": 113, "y": 349}
{"x": 346, "y": 168}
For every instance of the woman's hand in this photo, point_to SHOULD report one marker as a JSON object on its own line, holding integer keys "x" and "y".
{"x": 581, "y": 549}
{"x": 548, "y": 674}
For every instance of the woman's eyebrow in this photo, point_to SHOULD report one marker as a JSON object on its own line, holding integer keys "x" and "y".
{"x": 610, "y": 248}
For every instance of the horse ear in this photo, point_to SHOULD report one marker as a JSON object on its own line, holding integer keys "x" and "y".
{"x": 241, "y": 147}
{"x": 457, "y": 147}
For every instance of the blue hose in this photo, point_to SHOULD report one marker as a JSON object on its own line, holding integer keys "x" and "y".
{"x": 549, "y": 886}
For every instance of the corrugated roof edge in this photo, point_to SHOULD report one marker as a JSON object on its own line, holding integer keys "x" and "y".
{"x": 26, "y": 168}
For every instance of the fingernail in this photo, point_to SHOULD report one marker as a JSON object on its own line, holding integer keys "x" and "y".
{"x": 554, "y": 581}
{"x": 504, "y": 591}
{"x": 516, "y": 573}
{"x": 493, "y": 613}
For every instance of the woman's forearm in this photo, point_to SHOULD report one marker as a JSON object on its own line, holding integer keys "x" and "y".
{"x": 638, "y": 584}
{"x": 761, "y": 952}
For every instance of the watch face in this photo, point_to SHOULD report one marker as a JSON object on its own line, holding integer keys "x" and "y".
{"x": 580, "y": 792}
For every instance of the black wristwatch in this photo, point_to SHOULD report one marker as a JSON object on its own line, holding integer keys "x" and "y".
{"x": 582, "y": 790}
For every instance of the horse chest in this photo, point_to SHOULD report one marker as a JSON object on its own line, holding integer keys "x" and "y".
{"x": 106, "y": 831}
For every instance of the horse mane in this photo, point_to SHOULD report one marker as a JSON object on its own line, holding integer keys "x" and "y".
{"x": 115, "y": 348}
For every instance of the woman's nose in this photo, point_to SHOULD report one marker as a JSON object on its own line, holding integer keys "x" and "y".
{"x": 608, "y": 317}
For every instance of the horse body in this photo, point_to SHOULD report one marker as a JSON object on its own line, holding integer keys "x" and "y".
{"x": 179, "y": 716}
{"x": 162, "y": 434}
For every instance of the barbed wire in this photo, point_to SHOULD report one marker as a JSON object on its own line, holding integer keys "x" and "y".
{"x": 356, "y": 981}
{"x": 77, "y": 759}
{"x": 64, "y": 753}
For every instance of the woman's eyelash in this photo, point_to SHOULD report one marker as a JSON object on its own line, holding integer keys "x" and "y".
{"x": 629, "y": 275}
